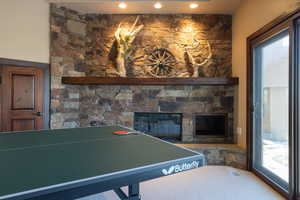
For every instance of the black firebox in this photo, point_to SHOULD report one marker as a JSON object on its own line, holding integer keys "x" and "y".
{"x": 214, "y": 125}
{"x": 163, "y": 125}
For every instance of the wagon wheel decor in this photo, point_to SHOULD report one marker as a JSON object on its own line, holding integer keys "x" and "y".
{"x": 160, "y": 63}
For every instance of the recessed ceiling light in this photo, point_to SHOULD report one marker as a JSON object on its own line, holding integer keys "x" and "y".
{"x": 193, "y": 5}
{"x": 157, "y": 5}
{"x": 122, "y": 5}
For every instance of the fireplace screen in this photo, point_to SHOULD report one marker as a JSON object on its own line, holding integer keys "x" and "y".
{"x": 163, "y": 125}
{"x": 211, "y": 125}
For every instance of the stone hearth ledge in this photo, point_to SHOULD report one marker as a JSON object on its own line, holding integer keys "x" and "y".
{"x": 221, "y": 154}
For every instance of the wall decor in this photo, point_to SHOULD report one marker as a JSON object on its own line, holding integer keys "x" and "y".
{"x": 196, "y": 63}
{"x": 124, "y": 39}
{"x": 161, "y": 63}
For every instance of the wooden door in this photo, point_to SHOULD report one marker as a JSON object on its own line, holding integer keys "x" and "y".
{"x": 22, "y": 98}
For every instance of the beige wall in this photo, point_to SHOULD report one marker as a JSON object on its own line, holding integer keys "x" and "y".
{"x": 251, "y": 16}
{"x": 24, "y": 26}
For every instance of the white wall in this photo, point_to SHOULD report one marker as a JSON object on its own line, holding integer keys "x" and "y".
{"x": 250, "y": 17}
{"x": 24, "y": 26}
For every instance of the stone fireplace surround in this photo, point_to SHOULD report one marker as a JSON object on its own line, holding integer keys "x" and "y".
{"x": 105, "y": 105}
{"x": 81, "y": 45}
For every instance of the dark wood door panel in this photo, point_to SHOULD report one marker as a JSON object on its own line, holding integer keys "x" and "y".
{"x": 1, "y": 96}
{"x": 17, "y": 114}
{"x": 23, "y": 92}
{"x": 23, "y": 124}
{"x": 22, "y": 98}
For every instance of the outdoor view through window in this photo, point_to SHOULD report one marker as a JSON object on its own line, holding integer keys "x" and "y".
{"x": 275, "y": 100}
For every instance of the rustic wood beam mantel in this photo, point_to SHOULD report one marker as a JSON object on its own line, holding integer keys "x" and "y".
{"x": 148, "y": 81}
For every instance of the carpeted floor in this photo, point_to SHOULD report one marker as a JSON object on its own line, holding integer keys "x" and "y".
{"x": 206, "y": 183}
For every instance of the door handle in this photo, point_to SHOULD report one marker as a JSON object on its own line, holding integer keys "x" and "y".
{"x": 38, "y": 114}
{"x": 253, "y": 107}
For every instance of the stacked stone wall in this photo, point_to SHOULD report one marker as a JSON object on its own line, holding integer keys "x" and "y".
{"x": 81, "y": 45}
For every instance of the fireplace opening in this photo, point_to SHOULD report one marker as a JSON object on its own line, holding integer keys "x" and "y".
{"x": 214, "y": 125}
{"x": 166, "y": 126}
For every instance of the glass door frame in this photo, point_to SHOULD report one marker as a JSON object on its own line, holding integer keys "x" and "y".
{"x": 296, "y": 144}
{"x": 257, "y": 85}
{"x": 288, "y": 23}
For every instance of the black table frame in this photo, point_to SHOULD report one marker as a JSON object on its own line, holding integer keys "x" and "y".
{"x": 131, "y": 178}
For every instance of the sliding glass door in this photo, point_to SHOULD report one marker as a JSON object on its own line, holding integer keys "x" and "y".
{"x": 273, "y": 112}
{"x": 271, "y": 108}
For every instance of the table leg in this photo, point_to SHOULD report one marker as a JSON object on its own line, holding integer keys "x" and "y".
{"x": 133, "y": 192}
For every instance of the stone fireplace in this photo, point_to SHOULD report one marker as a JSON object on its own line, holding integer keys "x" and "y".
{"x": 84, "y": 45}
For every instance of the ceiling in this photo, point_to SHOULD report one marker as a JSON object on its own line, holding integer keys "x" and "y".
{"x": 146, "y": 6}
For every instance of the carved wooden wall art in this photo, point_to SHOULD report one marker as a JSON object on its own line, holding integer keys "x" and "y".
{"x": 124, "y": 40}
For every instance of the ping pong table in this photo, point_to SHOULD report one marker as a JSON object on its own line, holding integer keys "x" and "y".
{"x": 74, "y": 163}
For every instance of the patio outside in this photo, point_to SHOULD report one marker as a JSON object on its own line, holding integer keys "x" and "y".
{"x": 276, "y": 157}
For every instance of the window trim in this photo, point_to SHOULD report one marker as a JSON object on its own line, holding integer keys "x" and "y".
{"x": 296, "y": 144}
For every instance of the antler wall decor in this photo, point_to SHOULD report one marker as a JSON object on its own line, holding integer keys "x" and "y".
{"x": 124, "y": 40}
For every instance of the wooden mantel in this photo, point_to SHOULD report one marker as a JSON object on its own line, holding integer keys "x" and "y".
{"x": 148, "y": 81}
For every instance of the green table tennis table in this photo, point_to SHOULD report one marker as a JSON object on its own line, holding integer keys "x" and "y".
{"x": 74, "y": 163}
